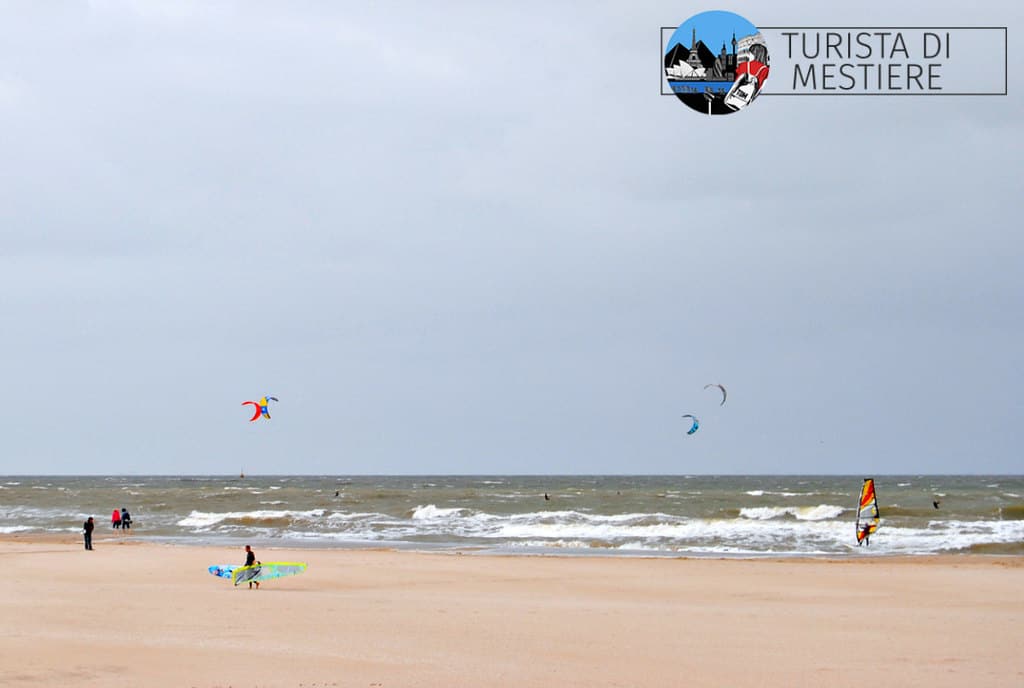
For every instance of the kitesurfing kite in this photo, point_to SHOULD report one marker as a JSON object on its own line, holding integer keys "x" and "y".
{"x": 261, "y": 407}
{"x": 721, "y": 388}
{"x": 696, "y": 423}
{"x": 867, "y": 512}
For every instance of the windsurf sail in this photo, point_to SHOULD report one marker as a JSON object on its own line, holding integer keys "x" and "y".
{"x": 222, "y": 570}
{"x": 266, "y": 571}
{"x": 867, "y": 512}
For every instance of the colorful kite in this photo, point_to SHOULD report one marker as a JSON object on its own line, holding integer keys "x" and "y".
{"x": 696, "y": 424}
{"x": 261, "y": 407}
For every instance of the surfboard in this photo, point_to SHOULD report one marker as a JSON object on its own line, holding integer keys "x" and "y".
{"x": 267, "y": 571}
{"x": 222, "y": 570}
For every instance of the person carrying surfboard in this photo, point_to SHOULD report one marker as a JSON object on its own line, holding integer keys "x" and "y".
{"x": 250, "y": 559}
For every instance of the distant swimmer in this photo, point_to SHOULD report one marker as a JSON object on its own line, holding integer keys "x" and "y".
{"x": 546, "y": 498}
{"x": 337, "y": 493}
{"x": 935, "y": 504}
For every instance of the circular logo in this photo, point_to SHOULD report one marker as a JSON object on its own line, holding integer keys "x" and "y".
{"x": 716, "y": 62}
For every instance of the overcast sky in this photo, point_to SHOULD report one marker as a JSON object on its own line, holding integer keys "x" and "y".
{"x": 472, "y": 238}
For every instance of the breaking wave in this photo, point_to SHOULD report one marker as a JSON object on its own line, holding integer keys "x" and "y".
{"x": 822, "y": 512}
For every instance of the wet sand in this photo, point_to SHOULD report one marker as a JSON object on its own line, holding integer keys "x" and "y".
{"x": 133, "y": 614}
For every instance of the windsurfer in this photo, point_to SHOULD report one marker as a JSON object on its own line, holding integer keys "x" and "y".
{"x": 865, "y": 534}
{"x": 250, "y": 559}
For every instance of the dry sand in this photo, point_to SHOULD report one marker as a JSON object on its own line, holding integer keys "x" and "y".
{"x": 144, "y": 615}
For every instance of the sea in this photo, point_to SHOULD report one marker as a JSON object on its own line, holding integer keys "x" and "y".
{"x": 680, "y": 515}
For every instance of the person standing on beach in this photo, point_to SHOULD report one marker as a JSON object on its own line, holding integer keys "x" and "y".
{"x": 250, "y": 559}
{"x": 115, "y": 519}
{"x": 87, "y": 532}
{"x": 126, "y": 519}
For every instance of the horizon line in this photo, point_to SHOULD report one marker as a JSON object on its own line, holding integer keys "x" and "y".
{"x": 474, "y": 475}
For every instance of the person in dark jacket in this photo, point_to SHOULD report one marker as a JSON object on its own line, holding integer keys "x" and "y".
{"x": 87, "y": 532}
{"x": 126, "y": 519}
{"x": 250, "y": 559}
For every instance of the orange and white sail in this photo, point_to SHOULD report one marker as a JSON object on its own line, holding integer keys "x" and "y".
{"x": 867, "y": 511}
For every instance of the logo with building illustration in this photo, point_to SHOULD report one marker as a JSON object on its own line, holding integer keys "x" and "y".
{"x": 716, "y": 62}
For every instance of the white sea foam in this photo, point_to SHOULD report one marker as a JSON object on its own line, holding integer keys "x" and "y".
{"x": 430, "y": 511}
{"x": 697, "y": 536}
{"x": 341, "y": 536}
{"x": 16, "y": 529}
{"x": 761, "y": 493}
{"x": 593, "y": 531}
{"x": 821, "y": 512}
{"x": 356, "y": 516}
{"x": 543, "y": 544}
{"x": 202, "y": 519}
{"x": 945, "y": 536}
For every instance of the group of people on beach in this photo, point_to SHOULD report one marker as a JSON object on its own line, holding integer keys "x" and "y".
{"x": 119, "y": 519}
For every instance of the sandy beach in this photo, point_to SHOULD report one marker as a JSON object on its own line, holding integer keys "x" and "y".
{"x": 133, "y": 614}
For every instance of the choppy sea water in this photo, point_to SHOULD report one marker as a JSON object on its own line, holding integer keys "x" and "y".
{"x": 625, "y": 515}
